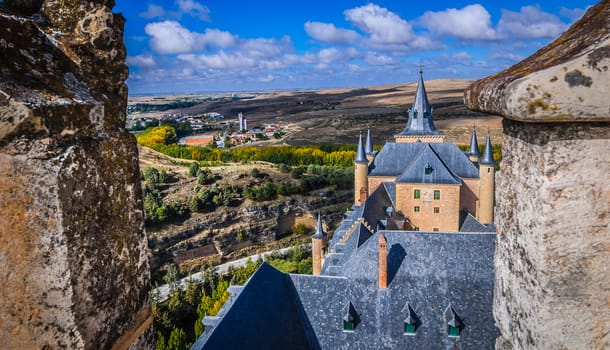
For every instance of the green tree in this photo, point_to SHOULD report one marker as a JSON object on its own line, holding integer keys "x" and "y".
{"x": 193, "y": 169}
{"x": 177, "y": 340}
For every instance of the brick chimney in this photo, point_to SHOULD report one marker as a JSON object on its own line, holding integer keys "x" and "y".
{"x": 383, "y": 261}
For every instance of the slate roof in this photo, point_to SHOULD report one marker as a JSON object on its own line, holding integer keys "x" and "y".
{"x": 360, "y": 152}
{"x": 420, "y": 114}
{"x": 470, "y": 224}
{"x": 395, "y": 158}
{"x": 487, "y": 158}
{"x": 429, "y": 271}
{"x": 427, "y": 167}
{"x": 474, "y": 145}
{"x": 266, "y": 315}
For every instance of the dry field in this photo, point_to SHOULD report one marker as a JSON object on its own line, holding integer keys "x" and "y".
{"x": 336, "y": 116}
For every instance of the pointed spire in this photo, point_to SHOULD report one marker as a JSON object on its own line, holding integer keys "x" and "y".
{"x": 420, "y": 114}
{"x": 319, "y": 231}
{"x": 488, "y": 155}
{"x": 369, "y": 142}
{"x": 361, "y": 154}
{"x": 474, "y": 145}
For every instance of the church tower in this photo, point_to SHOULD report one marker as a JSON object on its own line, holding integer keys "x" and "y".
{"x": 319, "y": 245}
{"x": 420, "y": 126}
{"x": 487, "y": 171}
{"x": 361, "y": 171}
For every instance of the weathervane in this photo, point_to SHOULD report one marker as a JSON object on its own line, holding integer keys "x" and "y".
{"x": 421, "y": 66}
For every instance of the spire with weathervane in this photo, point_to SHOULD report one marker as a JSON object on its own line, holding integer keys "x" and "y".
{"x": 420, "y": 126}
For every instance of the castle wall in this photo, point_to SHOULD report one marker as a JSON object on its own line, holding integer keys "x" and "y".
{"x": 72, "y": 244}
{"x": 469, "y": 196}
{"x": 553, "y": 192}
{"x": 376, "y": 181}
{"x": 446, "y": 220}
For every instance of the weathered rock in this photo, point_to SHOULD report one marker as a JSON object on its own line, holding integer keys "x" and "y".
{"x": 73, "y": 248}
{"x": 566, "y": 80}
{"x": 553, "y": 244}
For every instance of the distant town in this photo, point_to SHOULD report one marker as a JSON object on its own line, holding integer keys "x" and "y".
{"x": 207, "y": 128}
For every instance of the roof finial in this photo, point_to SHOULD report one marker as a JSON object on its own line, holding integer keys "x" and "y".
{"x": 421, "y": 67}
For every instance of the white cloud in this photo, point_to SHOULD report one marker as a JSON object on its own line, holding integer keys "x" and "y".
{"x": 328, "y": 33}
{"x": 266, "y": 79}
{"x": 141, "y": 61}
{"x": 507, "y": 57}
{"x": 375, "y": 59}
{"x": 472, "y": 22}
{"x": 194, "y": 9}
{"x": 572, "y": 14}
{"x": 170, "y": 37}
{"x": 529, "y": 23}
{"x": 383, "y": 26}
{"x": 216, "y": 37}
{"x": 220, "y": 60}
{"x": 264, "y": 48}
{"x": 153, "y": 11}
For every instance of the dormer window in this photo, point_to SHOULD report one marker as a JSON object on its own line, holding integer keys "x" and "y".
{"x": 411, "y": 322}
{"x": 409, "y": 328}
{"x": 453, "y": 322}
{"x": 414, "y": 114}
{"x": 350, "y": 318}
{"x": 425, "y": 115}
{"x": 428, "y": 169}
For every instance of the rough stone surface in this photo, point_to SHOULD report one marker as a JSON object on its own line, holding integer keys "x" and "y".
{"x": 553, "y": 247}
{"x": 553, "y": 191}
{"x": 568, "y": 80}
{"x": 72, "y": 243}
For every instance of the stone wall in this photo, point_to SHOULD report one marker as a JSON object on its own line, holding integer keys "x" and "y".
{"x": 552, "y": 274}
{"x": 72, "y": 242}
{"x": 553, "y": 192}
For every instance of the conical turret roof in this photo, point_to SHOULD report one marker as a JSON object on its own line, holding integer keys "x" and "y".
{"x": 488, "y": 154}
{"x": 369, "y": 143}
{"x": 361, "y": 153}
{"x": 474, "y": 145}
{"x": 319, "y": 231}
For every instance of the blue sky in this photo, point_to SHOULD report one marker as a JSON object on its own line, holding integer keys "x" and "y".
{"x": 177, "y": 46}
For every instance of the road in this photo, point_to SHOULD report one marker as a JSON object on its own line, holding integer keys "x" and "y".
{"x": 163, "y": 291}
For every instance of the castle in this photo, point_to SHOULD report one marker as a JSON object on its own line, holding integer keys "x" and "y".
{"x": 409, "y": 267}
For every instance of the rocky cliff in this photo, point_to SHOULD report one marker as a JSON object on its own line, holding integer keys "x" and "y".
{"x": 553, "y": 245}
{"x": 73, "y": 249}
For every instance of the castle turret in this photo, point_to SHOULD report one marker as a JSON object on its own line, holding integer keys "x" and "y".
{"x": 361, "y": 170}
{"x": 319, "y": 244}
{"x": 473, "y": 152}
{"x": 420, "y": 126}
{"x": 487, "y": 171}
{"x": 370, "y": 153}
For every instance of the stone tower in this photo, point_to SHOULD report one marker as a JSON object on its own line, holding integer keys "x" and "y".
{"x": 319, "y": 244}
{"x": 73, "y": 247}
{"x": 553, "y": 246}
{"x": 361, "y": 171}
{"x": 487, "y": 175}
